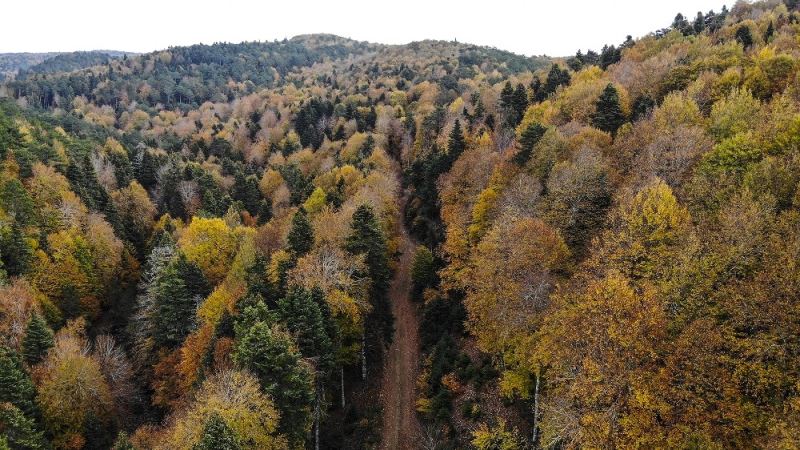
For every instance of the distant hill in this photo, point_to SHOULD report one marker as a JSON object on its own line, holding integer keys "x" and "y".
{"x": 188, "y": 76}
{"x": 48, "y": 62}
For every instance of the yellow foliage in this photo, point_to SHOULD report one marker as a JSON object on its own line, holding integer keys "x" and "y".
{"x": 210, "y": 244}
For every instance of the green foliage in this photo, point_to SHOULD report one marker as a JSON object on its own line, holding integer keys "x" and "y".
{"x": 366, "y": 238}
{"x": 37, "y": 341}
{"x": 217, "y": 435}
{"x": 608, "y": 114}
{"x": 19, "y": 430}
{"x": 527, "y": 141}
{"x": 16, "y": 386}
{"x": 301, "y": 235}
{"x": 423, "y": 271}
{"x": 270, "y": 354}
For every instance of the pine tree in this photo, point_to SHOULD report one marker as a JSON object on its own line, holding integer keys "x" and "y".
{"x": 217, "y": 435}
{"x": 608, "y": 114}
{"x": 270, "y": 355}
{"x": 770, "y": 32}
{"x": 37, "y": 341}
{"x": 245, "y": 190}
{"x": 301, "y": 235}
{"x": 16, "y": 386}
{"x": 527, "y": 141}
{"x": 456, "y": 143}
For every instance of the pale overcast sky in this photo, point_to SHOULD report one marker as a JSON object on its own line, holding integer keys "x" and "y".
{"x": 532, "y": 27}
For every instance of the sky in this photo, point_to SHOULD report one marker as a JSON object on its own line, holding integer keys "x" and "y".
{"x": 532, "y": 27}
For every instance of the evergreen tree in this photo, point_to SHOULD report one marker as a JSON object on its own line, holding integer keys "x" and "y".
{"x": 20, "y": 431}
{"x": 456, "y": 143}
{"x": 174, "y": 308}
{"x": 527, "y": 141}
{"x": 301, "y": 314}
{"x": 16, "y": 386}
{"x": 366, "y": 238}
{"x": 608, "y": 114}
{"x": 301, "y": 235}
{"x": 744, "y": 36}
{"x": 217, "y": 435}
{"x": 519, "y": 103}
{"x": 37, "y": 341}
{"x": 245, "y": 190}
{"x": 264, "y": 211}
{"x": 770, "y": 32}
{"x": 271, "y": 356}
{"x": 15, "y": 251}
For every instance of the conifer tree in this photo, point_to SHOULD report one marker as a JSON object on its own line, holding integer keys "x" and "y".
{"x": 217, "y": 435}
{"x": 367, "y": 239}
{"x": 744, "y": 36}
{"x": 270, "y": 355}
{"x": 455, "y": 143}
{"x": 264, "y": 211}
{"x": 20, "y": 431}
{"x": 301, "y": 235}
{"x": 527, "y": 140}
{"x": 37, "y": 341}
{"x": 303, "y": 318}
{"x": 174, "y": 308}
{"x": 16, "y": 386}
{"x": 608, "y": 114}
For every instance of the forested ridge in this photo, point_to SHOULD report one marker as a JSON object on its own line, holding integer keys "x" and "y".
{"x": 198, "y": 244}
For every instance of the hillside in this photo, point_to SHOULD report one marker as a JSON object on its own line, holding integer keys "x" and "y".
{"x": 339, "y": 244}
{"x": 13, "y": 63}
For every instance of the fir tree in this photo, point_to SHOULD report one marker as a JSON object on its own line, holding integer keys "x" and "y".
{"x": 37, "y": 341}
{"x": 174, "y": 308}
{"x": 16, "y": 386}
{"x": 19, "y": 430}
{"x": 271, "y": 356}
{"x": 301, "y": 235}
{"x": 527, "y": 141}
{"x": 367, "y": 239}
{"x": 217, "y": 435}
{"x": 608, "y": 114}
{"x": 303, "y": 318}
{"x": 456, "y": 143}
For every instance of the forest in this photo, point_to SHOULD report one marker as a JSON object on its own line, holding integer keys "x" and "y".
{"x": 227, "y": 246}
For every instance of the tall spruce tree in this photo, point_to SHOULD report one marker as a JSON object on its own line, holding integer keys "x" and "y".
{"x": 301, "y": 235}
{"x": 366, "y": 238}
{"x": 608, "y": 114}
{"x": 455, "y": 143}
{"x": 174, "y": 308}
{"x": 304, "y": 319}
{"x": 37, "y": 341}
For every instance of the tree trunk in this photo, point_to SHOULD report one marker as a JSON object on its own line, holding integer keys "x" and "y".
{"x": 363, "y": 357}
{"x": 341, "y": 375}
{"x": 536, "y": 411}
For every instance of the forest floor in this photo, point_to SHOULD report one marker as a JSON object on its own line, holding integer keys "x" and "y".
{"x": 401, "y": 428}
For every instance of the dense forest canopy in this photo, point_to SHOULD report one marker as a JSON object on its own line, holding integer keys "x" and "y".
{"x": 202, "y": 247}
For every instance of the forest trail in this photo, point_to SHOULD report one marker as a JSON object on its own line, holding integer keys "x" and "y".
{"x": 401, "y": 429}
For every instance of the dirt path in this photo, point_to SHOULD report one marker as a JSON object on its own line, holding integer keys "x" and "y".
{"x": 401, "y": 429}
